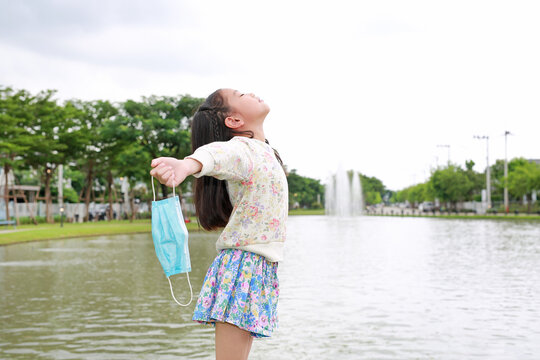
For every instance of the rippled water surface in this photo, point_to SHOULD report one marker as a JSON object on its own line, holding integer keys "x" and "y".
{"x": 351, "y": 288}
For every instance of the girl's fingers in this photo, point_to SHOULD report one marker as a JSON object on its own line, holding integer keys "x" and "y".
{"x": 164, "y": 179}
{"x": 162, "y": 169}
{"x": 162, "y": 175}
{"x": 162, "y": 172}
{"x": 155, "y": 162}
{"x": 154, "y": 171}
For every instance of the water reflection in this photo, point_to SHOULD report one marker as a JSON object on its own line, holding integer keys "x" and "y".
{"x": 97, "y": 298}
{"x": 351, "y": 288}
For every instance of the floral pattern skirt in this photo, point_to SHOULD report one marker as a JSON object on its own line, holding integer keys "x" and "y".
{"x": 240, "y": 288}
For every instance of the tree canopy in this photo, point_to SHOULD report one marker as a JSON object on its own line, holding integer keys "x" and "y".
{"x": 97, "y": 141}
{"x": 304, "y": 191}
{"x": 453, "y": 184}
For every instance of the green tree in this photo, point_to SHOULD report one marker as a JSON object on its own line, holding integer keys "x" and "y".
{"x": 304, "y": 190}
{"x": 133, "y": 159}
{"x": 477, "y": 180}
{"x": 417, "y": 194}
{"x": 373, "y": 189}
{"x": 77, "y": 178}
{"x": 15, "y": 140}
{"x": 523, "y": 179}
{"x": 161, "y": 124}
{"x": 451, "y": 184}
{"x": 497, "y": 177}
{"x": 373, "y": 197}
{"x": 90, "y": 159}
{"x": 51, "y": 126}
{"x": 112, "y": 143}
{"x": 402, "y": 195}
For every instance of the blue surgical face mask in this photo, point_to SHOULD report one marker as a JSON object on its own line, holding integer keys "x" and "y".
{"x": 171, "y": 238}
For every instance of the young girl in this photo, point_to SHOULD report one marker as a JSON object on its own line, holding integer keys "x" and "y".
{"x": 241, "y": 186}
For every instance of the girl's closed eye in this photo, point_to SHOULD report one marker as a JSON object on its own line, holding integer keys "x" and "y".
{"x": 242, "y": 95}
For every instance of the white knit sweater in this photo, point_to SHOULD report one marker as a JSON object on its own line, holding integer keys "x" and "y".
{"x": 258, "y": 191}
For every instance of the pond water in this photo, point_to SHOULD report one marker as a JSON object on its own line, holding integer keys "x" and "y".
{"x": 351, "y": 288}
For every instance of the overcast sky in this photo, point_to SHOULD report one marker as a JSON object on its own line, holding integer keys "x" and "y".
{"x": 376, "y": 85}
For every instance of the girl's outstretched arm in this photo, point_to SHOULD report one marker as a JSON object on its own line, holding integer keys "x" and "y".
{"x": 172, "y": 172}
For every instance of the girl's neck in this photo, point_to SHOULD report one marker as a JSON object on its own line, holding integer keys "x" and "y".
{"x": 258, "y": 132}
{"x": 259, "y": 135}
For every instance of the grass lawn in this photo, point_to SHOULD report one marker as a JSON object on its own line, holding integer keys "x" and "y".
{"x": 25, "y": 233}
{"x": 471, "y": 217}
{"x": 306, "y": 212}
{"x": 32, "y": 232}
{"x": 70, "y": 230}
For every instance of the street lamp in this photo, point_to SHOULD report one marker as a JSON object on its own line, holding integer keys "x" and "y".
{"x": 488, "y": 178}
{"x": 62, "y": 216}
{"x": 506, "y": 207}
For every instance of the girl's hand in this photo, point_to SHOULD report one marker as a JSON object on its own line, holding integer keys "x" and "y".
{"x": 171, "y": 171}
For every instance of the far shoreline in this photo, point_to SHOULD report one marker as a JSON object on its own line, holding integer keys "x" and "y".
{"x": 41, "y": 232}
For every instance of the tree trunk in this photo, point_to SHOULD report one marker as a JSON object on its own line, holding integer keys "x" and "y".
{"x": 88, "y": 190}
{"x": 15, "y": 207}
{"x": 115, "y": 194}
{"x": 164, "y": 191}
{"x": 6, "y": 190}
{"x": 31, "y": 214}
{"x": 110, "y": 186}
{"x": 48, "y": 196}
{"x": 132, "y": 205}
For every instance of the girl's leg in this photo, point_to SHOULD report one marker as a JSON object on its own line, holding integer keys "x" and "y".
{"x": 232, "y": 343}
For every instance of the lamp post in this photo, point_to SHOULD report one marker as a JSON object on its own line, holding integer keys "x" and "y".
{"x": 506, "y": 207}
{"x": 61, "y": 193}
{"x": 488, "y": 177}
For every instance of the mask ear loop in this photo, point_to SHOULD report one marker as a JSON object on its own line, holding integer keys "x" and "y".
{"x": 154, "y": 189}
{"x": 187, "y": 274}
{"x": 190, "y": 290}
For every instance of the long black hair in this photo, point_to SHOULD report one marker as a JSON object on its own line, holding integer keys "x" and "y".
{"x": 212, "y": 203}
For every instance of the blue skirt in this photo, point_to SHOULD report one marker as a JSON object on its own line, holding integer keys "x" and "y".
{"x": 240, "y": 288}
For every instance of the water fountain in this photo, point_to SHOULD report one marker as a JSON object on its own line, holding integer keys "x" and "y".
{"x": 343, "y": 194}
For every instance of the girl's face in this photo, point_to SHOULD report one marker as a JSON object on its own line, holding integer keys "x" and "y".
{"x": 246, "y": 105}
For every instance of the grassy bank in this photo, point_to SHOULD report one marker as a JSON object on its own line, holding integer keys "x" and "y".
{"x": 32, "y": 232}
{"x": 469, "y": 217}
{"x": 25, "y": 233}
{"x": 306, "y": 212}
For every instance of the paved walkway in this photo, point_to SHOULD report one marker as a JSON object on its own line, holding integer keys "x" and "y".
{"x": 12, "y": 230}
{"x": 394, "y": 210}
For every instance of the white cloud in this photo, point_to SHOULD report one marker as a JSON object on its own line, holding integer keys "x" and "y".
{"x": 374, "y": 85}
